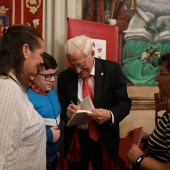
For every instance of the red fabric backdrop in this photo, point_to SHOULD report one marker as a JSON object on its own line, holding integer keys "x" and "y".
{"x": 96, "y": 30}
{"x": 28, "y": 12}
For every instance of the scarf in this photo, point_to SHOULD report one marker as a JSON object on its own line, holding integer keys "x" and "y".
{"x": 37, "y": 89}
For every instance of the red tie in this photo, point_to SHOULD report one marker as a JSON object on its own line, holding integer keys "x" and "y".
{"x": 87, "y": 90}
{"x": 93, "y": 133}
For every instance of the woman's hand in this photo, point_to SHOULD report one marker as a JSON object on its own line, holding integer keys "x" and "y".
{"x": 129, "y": 135}
{"x": 134, "y": 154}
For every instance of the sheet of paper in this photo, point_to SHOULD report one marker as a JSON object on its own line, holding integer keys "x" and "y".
{"x": 99, "y": 47}
{"x": 87, "y": 104}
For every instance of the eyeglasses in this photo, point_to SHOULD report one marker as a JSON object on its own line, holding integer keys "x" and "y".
{"x": 162, "y": 73}
{"x": 49, "y": 76}
{"x": 79, "y": 65}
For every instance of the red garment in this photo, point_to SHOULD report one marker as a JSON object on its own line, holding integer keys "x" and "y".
{"x": 36, "y": 89}
{"x": 87, "y": 90}
{"x": 74, "y": 153}
{"x": 93, "y": 131}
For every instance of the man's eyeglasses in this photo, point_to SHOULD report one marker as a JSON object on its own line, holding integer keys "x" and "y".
{"x": 162, "y": 73}
{"x": 49, "y": 76}
{"x": 79, "y": 65}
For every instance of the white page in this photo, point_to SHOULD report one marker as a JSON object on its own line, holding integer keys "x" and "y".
{"x": 87, "y": 104}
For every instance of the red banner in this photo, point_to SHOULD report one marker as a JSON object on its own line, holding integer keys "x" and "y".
{"x": 98, "y": 31}
{"x": 28, "y": 12}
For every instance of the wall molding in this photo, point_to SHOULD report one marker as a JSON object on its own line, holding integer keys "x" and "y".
{"x": 142, "y": 97}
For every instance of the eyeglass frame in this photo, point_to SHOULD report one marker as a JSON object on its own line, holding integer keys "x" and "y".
{"x": 55, "y": 75}
{"x": 163, "y": 73}
{"x": 81, "y": 66}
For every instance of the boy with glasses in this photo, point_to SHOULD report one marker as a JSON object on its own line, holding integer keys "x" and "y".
{"x": 45, "y": 101}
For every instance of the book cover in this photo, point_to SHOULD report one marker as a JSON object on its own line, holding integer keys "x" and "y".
{"x": 137, "y": 136}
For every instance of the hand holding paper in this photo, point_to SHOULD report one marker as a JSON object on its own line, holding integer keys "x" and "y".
{"x": 80, "y": 116}
{"x": 135, "y": 135}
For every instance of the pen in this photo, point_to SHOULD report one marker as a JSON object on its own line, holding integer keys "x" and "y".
{"x": 74, "y": 104}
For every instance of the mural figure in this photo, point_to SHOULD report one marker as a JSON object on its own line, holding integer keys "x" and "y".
{"x": 4, "y": 18}
{"x": 147, "y": 37}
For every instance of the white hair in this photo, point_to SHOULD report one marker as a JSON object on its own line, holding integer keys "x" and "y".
{"x": 81, "y": 43}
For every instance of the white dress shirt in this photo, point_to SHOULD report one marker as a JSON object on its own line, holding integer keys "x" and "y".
{"x": 80, "y": 93}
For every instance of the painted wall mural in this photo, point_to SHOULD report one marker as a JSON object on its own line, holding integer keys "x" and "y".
{"x": 28, "y": 12}
{"x": 145, "y": 38}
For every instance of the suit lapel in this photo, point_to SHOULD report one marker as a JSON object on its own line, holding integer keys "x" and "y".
{"x": 99, "y": 78}
{"x": 73, "y": 88}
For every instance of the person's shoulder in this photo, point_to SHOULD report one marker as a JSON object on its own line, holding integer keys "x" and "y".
{"x": 30, "y": 92}
{"x": 33, "y": 96}
{"x": 67, "y": 71}
{"x": 167, "y": 114}
{"x": 53, "y": 92}
{"x": 11, "y": 85}
{"x": 67, "y": 74}
{"x": 107, "y": 63}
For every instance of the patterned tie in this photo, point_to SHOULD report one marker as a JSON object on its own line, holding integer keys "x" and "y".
{"x": 93, "y": 133}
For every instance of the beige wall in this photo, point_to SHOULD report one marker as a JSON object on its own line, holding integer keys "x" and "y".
{"x": 142, "y": 113}
{"x": 137, "y": 118}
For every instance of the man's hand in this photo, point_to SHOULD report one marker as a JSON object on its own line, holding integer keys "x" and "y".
{"x": 71, "y": 110}
{"x": 100, "y": 115}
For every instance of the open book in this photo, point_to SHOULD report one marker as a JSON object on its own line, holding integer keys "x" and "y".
{"x": 159, "y": 28}
{"x": 137, "y": 136}
{"x": 80, "y": 117}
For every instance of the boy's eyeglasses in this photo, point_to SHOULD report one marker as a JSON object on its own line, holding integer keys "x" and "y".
{"x": 49, "y": 76}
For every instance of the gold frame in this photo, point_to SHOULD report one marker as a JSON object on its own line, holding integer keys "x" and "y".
{"x": 142, "y": 97}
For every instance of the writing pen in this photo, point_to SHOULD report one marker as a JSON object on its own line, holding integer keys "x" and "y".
{"x": 75, "y": 104}
{"x": 72, "y": 102}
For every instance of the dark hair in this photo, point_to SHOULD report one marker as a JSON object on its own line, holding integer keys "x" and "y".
{"x": 163, "y": 58}
{"x": 49, "y": 62}
{"x": 11, "y": 44}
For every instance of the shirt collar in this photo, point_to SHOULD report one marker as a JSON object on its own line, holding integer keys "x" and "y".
{"x": 93, "y": 70}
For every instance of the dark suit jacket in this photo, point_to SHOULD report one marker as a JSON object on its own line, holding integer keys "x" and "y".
{"x": 110, "y": 92}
